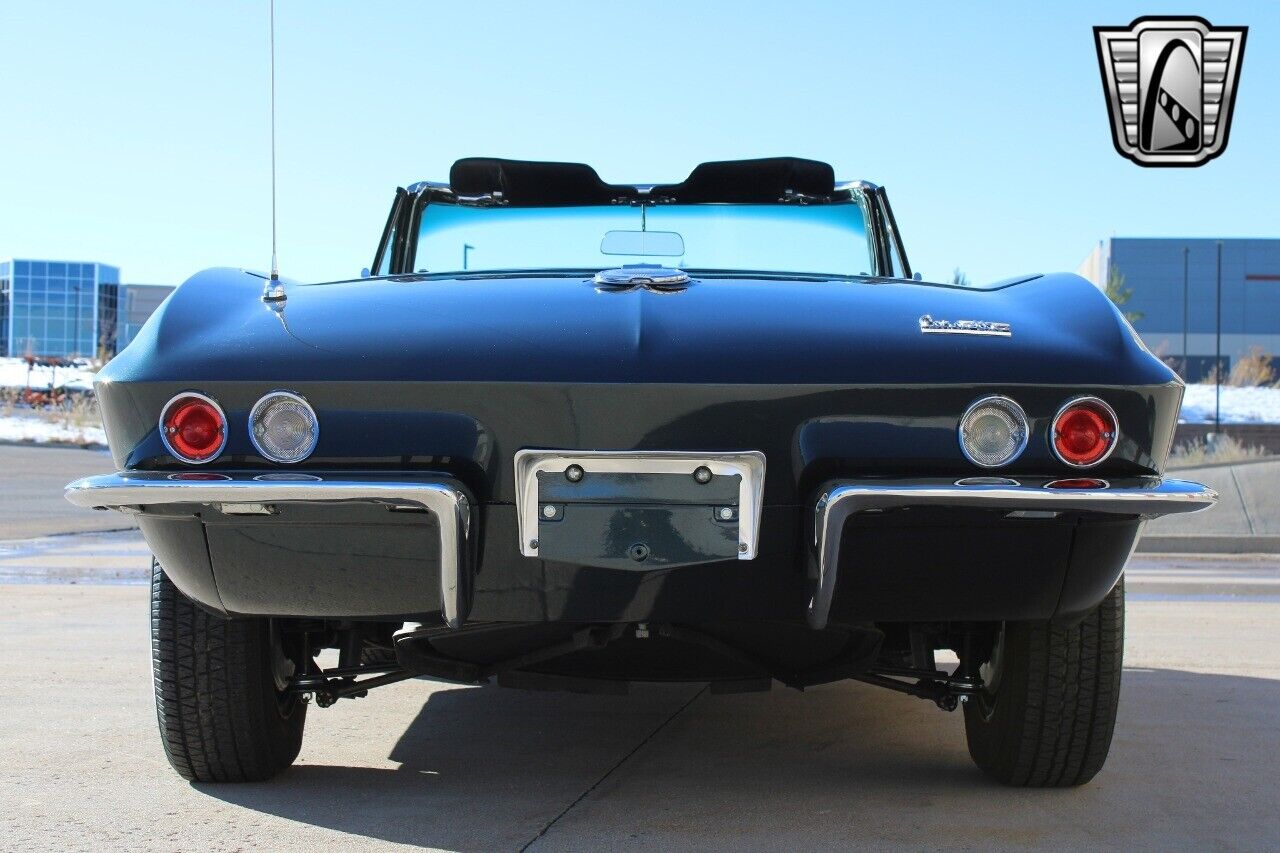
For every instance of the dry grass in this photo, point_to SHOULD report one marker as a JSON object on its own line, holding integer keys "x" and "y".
{"x": 1253, "y": 369}
{"x": 79, "y": 414}
{"x": 1257, "y": 369}
{"x": 1225, "y": 449}
{"x": 11, "y": 402}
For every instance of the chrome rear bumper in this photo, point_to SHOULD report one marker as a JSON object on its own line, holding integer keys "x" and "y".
{"x": 1146, "y": 498}
{"x": 251, "y": 494}
{"x": 248, "y": 494}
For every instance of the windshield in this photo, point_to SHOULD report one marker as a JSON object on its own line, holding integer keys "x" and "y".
{"x": 824, "y": 238}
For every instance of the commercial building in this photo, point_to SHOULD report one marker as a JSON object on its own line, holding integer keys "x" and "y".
{"x": 57, "y": 308}
{"x": 137, "y": 303}
{"x": 69, "y": 309}
{"x": 1175, "y": 295}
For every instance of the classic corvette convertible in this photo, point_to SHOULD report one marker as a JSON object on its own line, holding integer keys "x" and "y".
{"x": 574, "y": 435}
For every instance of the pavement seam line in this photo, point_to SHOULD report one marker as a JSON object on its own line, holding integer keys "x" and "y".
{"x": 614, "y": 768}
{"x": 1244, "y": 505}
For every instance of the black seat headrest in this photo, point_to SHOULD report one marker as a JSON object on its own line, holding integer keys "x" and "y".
{"x": 534, "y": 184}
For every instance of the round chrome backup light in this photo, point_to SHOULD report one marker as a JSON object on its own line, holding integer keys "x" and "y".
{"x": 283, "y": 427}
{"x": 993, "y": 432}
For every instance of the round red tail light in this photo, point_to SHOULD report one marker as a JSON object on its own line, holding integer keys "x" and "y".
{"x": 1084, "y": 432}
{"x": 193, "y": 428}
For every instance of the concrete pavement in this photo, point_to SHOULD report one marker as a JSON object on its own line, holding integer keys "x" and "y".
{"x": 422, "y": 764}
{"x": 31, "y": 481}
{"x": 1249, "y": 497}
{"x": 99, "y": 558}
{"x": 1246, "y": 519}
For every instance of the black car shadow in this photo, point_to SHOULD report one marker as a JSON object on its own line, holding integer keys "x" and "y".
{"x": 489, "y": 768}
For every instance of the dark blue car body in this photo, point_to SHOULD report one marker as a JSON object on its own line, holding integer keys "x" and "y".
{"x": 829, "y": 379}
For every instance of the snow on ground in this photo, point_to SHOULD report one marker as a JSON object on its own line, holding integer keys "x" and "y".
{"x": 1239, "y": 405}
{"x": 44, "y": 429}
{"x": 13, "y": 374}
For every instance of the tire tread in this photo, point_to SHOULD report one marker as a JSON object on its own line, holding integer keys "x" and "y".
{"x": 215, "y": 693}
{"x": 1055, "y": 713}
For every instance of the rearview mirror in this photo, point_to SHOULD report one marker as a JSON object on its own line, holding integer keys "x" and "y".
{"x": 646, "y": 243}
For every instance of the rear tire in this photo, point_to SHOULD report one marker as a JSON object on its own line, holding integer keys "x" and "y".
{"x": 222, "y": 713}
{"x": 1048, "y": 718}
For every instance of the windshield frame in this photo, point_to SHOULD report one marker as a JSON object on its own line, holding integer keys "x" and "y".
{"x": 882, "y": 235}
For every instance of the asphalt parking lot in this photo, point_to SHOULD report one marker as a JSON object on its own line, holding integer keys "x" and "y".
{"x": 428, "y": 765}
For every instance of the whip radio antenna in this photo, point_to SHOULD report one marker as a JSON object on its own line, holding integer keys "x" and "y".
{"x": 274, "y": 290}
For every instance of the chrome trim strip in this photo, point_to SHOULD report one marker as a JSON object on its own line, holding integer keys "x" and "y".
{"x": 448, "y": 503}
{"x": 839, "y": 501}
{"x": 749, "y": 465}
{"x": 1053, "y": 429}
{"x": 164, "y": 438}
{"x": 850, "y": 186}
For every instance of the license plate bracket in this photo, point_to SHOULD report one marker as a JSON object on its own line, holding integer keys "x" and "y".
{"x": 639, "y": 510}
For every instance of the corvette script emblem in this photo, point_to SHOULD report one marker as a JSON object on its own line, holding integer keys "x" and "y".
{"x": 930, "y": 326}
{"x": 1170, "y": 85}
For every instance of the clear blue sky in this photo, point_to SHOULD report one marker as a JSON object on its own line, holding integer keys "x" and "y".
{"x": 136, "y": 133}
